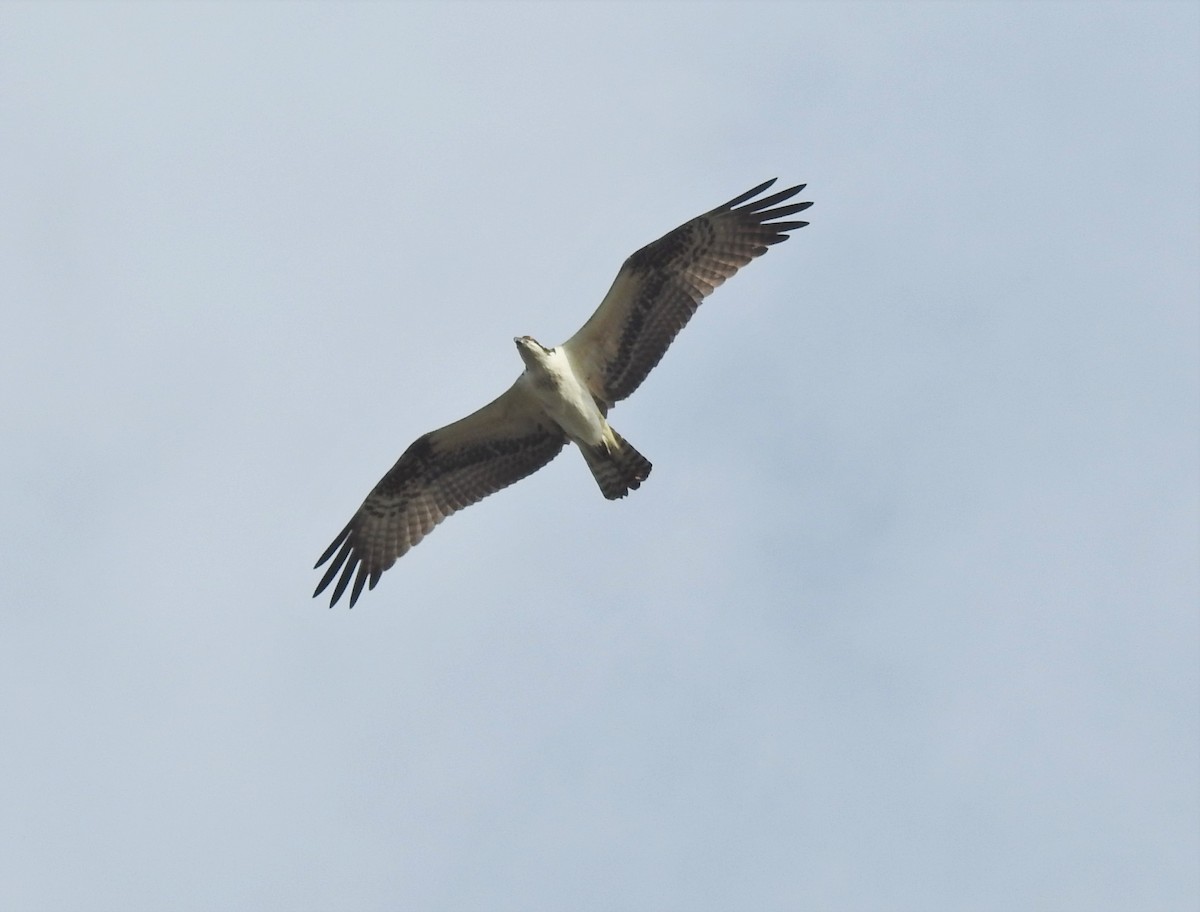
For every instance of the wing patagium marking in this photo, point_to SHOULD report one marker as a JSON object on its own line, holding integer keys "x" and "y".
{"x": 660, "y": 286}
{"x": 440, "y": 473}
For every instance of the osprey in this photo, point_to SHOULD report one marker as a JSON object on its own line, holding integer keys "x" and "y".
{"x": 563, "y": 394}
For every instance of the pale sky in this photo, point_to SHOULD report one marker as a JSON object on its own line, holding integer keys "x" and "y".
{"x": 907, "y": 616}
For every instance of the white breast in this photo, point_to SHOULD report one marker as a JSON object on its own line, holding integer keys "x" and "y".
{"x": 565, "y": 398}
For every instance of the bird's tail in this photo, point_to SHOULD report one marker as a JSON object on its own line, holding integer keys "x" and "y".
{"x": 617, "y": 467}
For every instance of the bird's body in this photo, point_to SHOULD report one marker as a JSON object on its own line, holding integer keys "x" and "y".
{"x": 553, "y": 380}
{"x": 556, "y": 383}
{"x": 564, "y": 393}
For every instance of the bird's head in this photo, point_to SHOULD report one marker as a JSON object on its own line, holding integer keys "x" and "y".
{"x": 532, "y": 351}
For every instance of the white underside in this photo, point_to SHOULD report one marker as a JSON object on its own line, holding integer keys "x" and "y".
{"x": 565, "y": 399}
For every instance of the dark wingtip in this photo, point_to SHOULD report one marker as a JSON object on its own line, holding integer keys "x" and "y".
{"x": 360, "y": 579}
{"x": 738, "y": 200}
{"x": 335, "y": 544}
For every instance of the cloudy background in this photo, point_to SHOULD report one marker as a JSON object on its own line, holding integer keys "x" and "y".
{"x": 907, "y": 617}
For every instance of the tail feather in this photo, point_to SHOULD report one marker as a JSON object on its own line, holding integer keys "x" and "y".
{"x": 617, "y": 467}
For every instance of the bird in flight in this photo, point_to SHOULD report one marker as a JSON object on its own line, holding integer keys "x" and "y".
{"x": 563, "y": 394}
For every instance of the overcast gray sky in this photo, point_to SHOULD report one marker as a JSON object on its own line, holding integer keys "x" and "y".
{"x": 906, "y": 618}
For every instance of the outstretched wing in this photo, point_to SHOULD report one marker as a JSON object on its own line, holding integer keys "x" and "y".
{"x": 661, "y": 286}
{"x": 442, "y": 472}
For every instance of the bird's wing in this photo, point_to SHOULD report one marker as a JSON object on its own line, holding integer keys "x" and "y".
{"x": 661, "y": 286}
{"x": 443, "y": 471}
